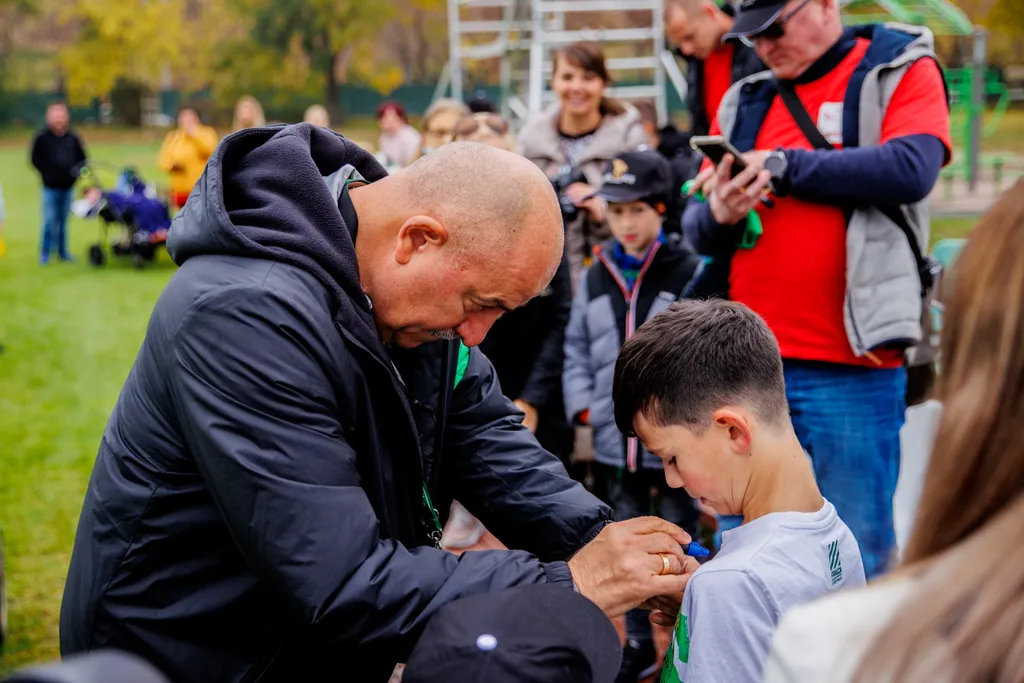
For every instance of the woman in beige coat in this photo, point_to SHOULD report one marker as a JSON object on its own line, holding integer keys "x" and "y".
{"x": 582, "y": 132}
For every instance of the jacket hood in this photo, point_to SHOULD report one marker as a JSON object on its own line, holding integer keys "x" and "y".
{"x": 894, "y": 38}
{"x": 540, "y": 139}
{"x": 272, "y": 193}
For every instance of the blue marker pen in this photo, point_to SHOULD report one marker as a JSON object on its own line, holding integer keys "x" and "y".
{"x": 694, "y": 549}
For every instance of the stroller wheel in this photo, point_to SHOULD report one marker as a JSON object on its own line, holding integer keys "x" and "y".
{"x": 3, "y": 596}
{"x": 96, "y": 255}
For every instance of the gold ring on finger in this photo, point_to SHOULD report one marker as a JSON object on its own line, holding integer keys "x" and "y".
{"x": 666, "y": 564}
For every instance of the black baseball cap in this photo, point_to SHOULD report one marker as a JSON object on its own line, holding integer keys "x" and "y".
{"x": 536, "y": 633}
{"x": 754, "y": 16}
{"x": 636, "y": 176}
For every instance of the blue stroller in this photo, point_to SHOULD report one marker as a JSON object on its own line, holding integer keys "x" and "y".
{"x": 134, "y": 220}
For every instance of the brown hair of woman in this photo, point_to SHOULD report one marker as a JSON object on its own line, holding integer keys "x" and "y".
{"x": 965, "y": 619}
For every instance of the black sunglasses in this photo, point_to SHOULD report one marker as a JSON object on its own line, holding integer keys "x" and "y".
{"x": 774, "y": 30}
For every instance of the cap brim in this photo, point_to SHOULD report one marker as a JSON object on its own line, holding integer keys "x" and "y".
{"x": 619, "y": 194}
{"x": 752, "y": 21}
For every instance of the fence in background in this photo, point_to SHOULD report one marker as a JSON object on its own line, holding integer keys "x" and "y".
{"x": 28, "y": 108}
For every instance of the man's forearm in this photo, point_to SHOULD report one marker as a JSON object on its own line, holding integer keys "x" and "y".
{"x": 902, "y": 171}
{"x": 706, "y": 235}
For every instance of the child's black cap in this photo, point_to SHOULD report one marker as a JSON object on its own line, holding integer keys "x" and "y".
{"x": 536, "y": 632}
{"x": 636, "y": 176}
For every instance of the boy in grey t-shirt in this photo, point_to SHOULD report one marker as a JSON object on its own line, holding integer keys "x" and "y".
{"x": 701, "y": 385}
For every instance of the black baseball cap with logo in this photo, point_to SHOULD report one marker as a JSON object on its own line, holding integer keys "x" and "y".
{"x": 643, "y": 175}
{"x": 754, "y": 16}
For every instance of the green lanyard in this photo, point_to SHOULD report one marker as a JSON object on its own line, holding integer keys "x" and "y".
{"x": 435, "y": 519}
{"x": 750, "y": 233}
{"x": 435, "y": 534}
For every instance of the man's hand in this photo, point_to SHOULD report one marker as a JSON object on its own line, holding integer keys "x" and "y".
{"x": 623, "y": 567}
{"x": 731, "y": 199}
{"x": 665, "y": 608}
{"x": 531, "y": 416}
{"x": 595, "y": 206}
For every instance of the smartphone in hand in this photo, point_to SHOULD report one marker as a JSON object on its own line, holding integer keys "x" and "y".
{"x": 714, "y": 148}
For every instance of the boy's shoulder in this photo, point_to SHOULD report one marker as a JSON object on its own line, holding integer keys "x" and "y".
{"x": 796, "y": 557}
{"x": 678, "y": 261}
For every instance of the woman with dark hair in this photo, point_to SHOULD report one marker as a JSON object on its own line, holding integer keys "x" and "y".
{"x": 573, "y": 140}
{"x": 399, "y": 142}
{"x": 955, "y": 610}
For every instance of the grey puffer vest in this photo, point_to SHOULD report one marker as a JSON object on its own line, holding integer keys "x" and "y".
{"x": 883, "y": 302}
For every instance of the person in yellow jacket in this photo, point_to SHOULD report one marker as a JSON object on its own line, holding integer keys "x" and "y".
{"x": 185, "y": 152}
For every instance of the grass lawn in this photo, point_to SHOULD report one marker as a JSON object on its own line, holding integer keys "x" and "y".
{"x": 71, "y": 333}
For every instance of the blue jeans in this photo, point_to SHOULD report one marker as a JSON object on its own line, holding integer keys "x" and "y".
{"x": 848, "y": 418}
{"x": 56, "y": 206}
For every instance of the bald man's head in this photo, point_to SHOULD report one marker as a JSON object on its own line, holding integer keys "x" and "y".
{"x": 460, "y": 236}
{"x": 489, "y": 198}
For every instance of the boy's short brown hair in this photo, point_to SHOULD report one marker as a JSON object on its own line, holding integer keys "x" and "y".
{"x": 694, "y": 358}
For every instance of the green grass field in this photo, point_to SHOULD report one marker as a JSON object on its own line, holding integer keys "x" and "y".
{"x": 70, "y": 334}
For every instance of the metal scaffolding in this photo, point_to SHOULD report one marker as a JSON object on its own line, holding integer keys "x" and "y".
{"x": 522, "y": 35}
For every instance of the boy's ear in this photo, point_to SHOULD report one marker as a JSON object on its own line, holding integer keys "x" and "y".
{"x": 741, "y": 438}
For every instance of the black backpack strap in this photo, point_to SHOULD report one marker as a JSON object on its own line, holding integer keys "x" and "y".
{"x": 894, "y": 213}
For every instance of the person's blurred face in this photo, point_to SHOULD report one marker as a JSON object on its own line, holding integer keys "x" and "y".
{"x": 634, "y": 225}
{"x": 57, "y": 118}
{"x": 579, "y": 91}
{"x": 425, "y": 292}
{"x": 488, "y": 129}
{"x": 187, "y": 118}
{"x": 696, "y": 35}
{"x": 438, "y": 129}
{"x": 246, "y": 114}
{"x": 390, "y": 122}
{"x": 809, "y": 29}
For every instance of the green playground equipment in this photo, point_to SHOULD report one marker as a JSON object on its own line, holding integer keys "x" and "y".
{"x": 942, "y": 17}
{"x": 970, "y": 86}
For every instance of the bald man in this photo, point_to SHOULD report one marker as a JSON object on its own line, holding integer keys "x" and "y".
{"x": 270, "y": 490}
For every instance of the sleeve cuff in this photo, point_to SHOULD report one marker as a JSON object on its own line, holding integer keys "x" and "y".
{"x": 558, "y": 572}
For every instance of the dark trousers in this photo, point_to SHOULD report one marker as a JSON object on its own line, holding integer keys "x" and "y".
{"x": 641, "y": 494}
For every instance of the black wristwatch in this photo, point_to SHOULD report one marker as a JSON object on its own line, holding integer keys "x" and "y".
{"x": 776, "y": 164}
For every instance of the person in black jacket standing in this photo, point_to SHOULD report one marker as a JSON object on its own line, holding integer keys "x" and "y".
{"x": 268, "y": 496}
{"x": 58, "y": 155}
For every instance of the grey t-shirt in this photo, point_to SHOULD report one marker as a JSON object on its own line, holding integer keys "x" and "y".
{"x": 733, "y": 603}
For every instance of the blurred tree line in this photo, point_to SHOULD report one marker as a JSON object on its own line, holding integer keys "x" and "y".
{"x": 279, "y": 48}
{"x": 282, "y": 49}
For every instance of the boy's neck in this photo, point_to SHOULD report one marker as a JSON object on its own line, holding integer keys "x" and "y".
{"x": 635, "y": 251}
{"x": 781, "y": 480}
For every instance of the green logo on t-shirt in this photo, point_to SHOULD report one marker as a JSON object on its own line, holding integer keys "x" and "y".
{"x": 678, "y": 652}
{"x": 834, "y": 564}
